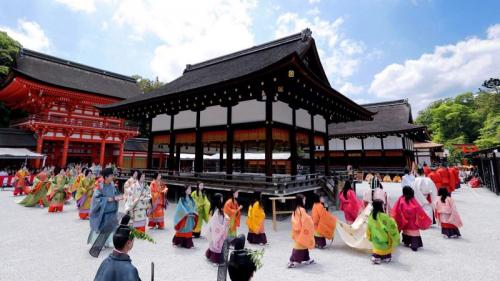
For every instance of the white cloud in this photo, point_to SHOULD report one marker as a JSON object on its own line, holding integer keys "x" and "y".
{"x": 449, "y": 70}
{"x": 104, "y": 25}
{"x": 313, "y": 12}
{"x": 87, "y": 6}
{"x": 190, "y": 30}
{"x": 29, "y": 34}
{"x": 339, "y": 54}
{"x": 349, "y": 89}
{"x": 314, "y": 1}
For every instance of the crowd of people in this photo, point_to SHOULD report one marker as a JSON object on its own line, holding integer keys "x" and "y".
{"x": 425, "y": 200}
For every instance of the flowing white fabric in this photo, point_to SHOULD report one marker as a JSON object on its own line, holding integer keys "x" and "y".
{"x": 424, "y": 187}
{"x": 407, "y": 180}
{"x": 354, "y": 235}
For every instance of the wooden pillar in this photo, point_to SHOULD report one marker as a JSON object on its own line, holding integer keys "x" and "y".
{"x": 120, "y": 156}
{"x": 178, "y": 157}
{"x": 242, "y": 157}
{"x": 293, "y": 144}
{"x": 382, "y": 146}
{"x": 198, "y": 152}
{"x": 363, "y": 151}
{"x": 230, "y": 139}
{"x": 64, "y": 157}
{"x": 269, "y": 136}
{"x": 171, "y": 146}
{"x": 103, "y": 150}
{"x": 149, "y": 159}
{"x": 326, "y": 149}
{"x": 39, "y": 148}
{"x": 312, "y": 148}
{"x": 221, "y": 157}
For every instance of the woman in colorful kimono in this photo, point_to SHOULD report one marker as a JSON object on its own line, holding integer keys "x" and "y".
{"x": 202, "y": 208}
{"x": 217, "y": 229}
{"x": 324, "y": 223}
{"x": 185, "y": 220}
{"x": 58, "y": 192}
{"x": 84, "y": 194}
{"x": 76, "y": 175}
{"x": 302, "y": 234}
{"x": 158, "y": 192}
{"x": 137, "y": 202}
{"x": 411, "y": 218}
{"x": 382, "y": 232}
{"x": 20, "y": 179}
{"x": 376, "y": 192}
{"x": 349, "y": 203}
{"x": 130, "y": 182}
{"x": 447, "y": 215}
{"x": 38, "y": 194}
{"x": 255, "y": 221}
{"x": 233, "y": 210}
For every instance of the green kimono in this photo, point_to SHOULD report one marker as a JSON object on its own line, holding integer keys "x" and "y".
{"x": 383, "y": 233}
{"x": 38, "y": 193}
{"x": 203, "y": 209}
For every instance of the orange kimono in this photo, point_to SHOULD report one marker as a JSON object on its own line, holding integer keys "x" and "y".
{"x": 20, "y": 186}
{"x": 158, "y": 191}
{"x": 303, "y": 235}
{"x": 324, "y": 222}
{"x": 232, "y": 210}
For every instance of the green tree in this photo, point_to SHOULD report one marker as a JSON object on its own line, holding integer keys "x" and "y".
{"x": 147, "y": 85}
{"x": 9, "y": 48}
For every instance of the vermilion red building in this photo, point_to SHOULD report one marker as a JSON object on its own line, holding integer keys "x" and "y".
{"x": 61, "y": 96}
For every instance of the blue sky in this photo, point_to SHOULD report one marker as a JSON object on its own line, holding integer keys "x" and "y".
{"x": 372, "y": 50}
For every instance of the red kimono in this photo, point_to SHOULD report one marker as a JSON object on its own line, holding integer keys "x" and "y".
{"x": 445, "y": 178}
{"x": 427, "y": 171}
{"x": 436, "y": 178}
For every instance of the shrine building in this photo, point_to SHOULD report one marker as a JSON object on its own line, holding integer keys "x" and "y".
{"x": 60, "y": 97}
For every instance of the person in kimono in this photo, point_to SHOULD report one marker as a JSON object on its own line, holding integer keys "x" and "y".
{"x": 445, "y": 177}
{"x": 324, "y": 223}
{"x": 302, "y": 234}
{"x": 411, "y": 218}
{"x": 38, "y": 193}
{"x": 376, "y": 192}
{"x": 137, "y": 202}
{"x": 425, "y": 192}
{"x": 427, "y": 169}
{"x": 20, "y": 179}
{"x": 447, "y": 215}
{"x": 104, "y": 208}
{"x": 233, "y": 210}
{"x": 130, "y": 181}
{"x": 185, "y": 220}
{"x": 202, "y": 208}
{"x": 158, "y": 191}
{"x": 382, "y": 231}
{"x": 256, "y": 220}
{"x": 436, "y": 179}
{"x": 408, "y": 178}
{"x": 84, "y": 194}
{"x": 118, "y": 265}
{"x": 217, "y": 229}
{"x": 349, "y": 203}
{"x": 77, "y": 176}
{"x": 57, "y": 193}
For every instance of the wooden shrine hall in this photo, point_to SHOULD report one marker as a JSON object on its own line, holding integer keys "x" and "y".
{"x": 385, "y": 144}
{"x": 268, "y": 99}
{"x": 60, "y": 97}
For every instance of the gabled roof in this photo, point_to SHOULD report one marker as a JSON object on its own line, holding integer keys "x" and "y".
{"x": 295, "y": 50}
{"x": 64, "y": 73}
{"x": 391, "y": 117}
{"x": 11, "y": 137}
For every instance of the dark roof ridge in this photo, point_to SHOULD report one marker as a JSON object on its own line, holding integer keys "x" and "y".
{"x": 303, "y": 35}
{"x": 386, "y": 103}
{"x": 61, "y": 61}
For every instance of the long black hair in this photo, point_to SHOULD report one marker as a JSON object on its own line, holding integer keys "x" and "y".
{"x": 443, "y": 192}
{"x": 347, "y": 186}
{"x": 198, "y": 189}
{"x": 408, "y": 193}
{"x": 257, "y": 197}
{"x": 378, "y": 207}
{"x": 299, "y": 201}
{"x": 216, "y": 202}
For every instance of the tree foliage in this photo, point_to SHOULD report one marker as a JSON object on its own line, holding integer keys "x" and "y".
{"x": 147, "y": 85}
{"x": 9, "y": 48}
{"x": 467, "y": 118}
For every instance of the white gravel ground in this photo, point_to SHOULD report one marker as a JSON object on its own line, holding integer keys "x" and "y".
{"x": 36, "y": 245}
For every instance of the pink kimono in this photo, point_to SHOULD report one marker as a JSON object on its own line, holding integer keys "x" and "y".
{"x": 447, "y": 215}
{"x": 350, "y": 205}
{"x": 218, "y": 226}
{"x": 411, "y": 218}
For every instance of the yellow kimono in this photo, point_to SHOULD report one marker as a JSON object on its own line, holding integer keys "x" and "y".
{"x": 83, "y": 196}
{"x": 255, "y": 219}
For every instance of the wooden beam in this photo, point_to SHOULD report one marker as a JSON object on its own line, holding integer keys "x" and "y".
{"x": 230, "y": 140}
{"x": 171, "y": 146}
{"x": 269, "y": 136}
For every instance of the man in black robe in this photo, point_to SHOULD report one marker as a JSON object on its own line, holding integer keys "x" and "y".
{"x": 118, "y": 266}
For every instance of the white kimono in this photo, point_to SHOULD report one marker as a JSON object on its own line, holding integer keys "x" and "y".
{"x": 407, "y": 180}
{"x": 137, "y": 203}
{"x": 425, "y": 188}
